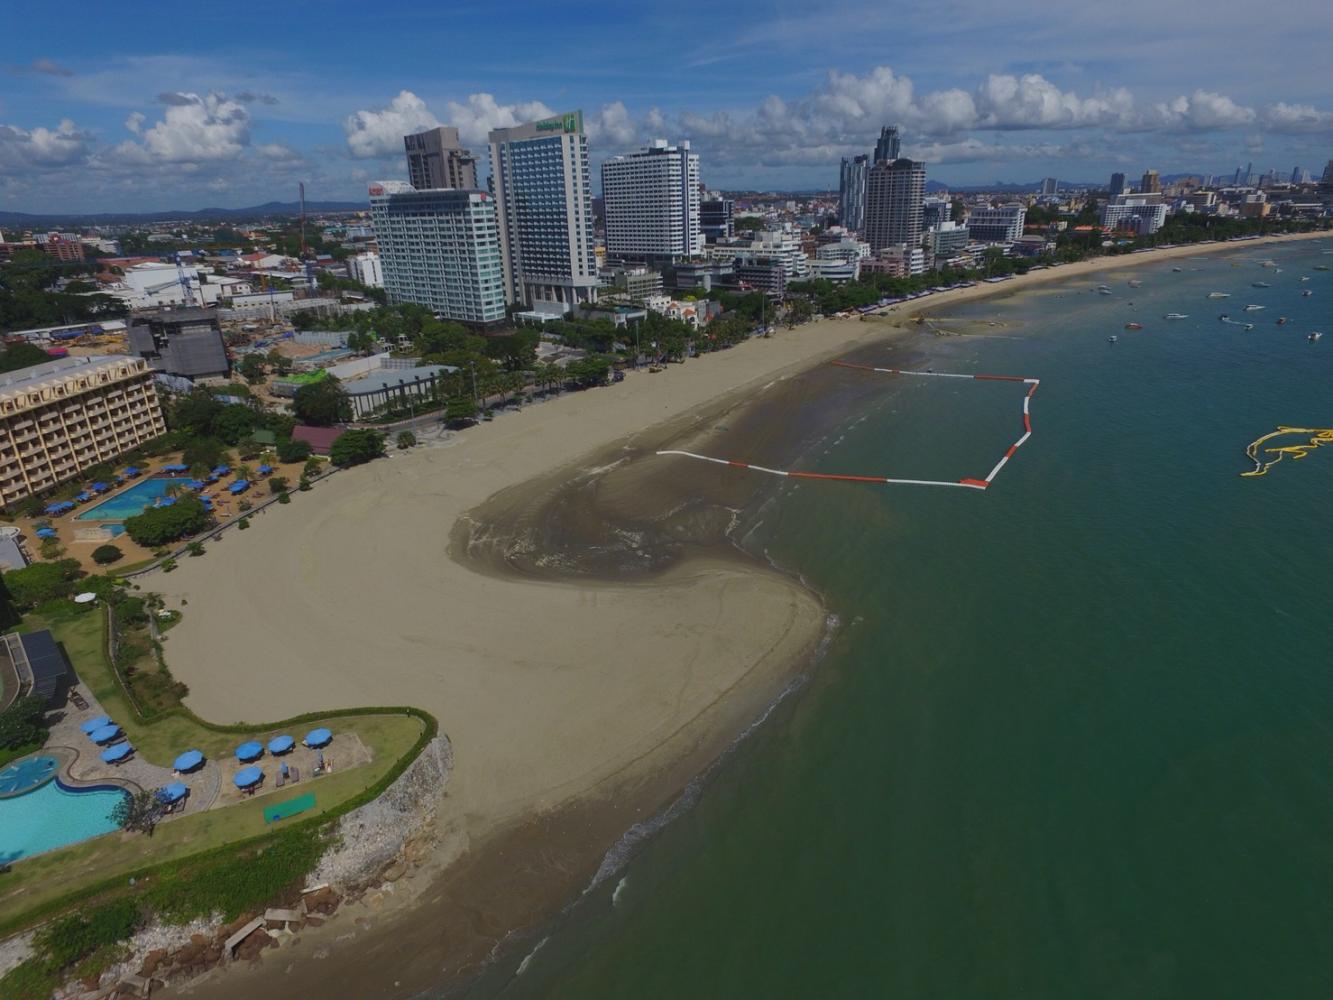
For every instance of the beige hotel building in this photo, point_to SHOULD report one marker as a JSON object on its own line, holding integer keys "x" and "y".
{"x": 61, "y": 417}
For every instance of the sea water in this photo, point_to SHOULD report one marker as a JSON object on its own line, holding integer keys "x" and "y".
{"x": 1074, "y": 737}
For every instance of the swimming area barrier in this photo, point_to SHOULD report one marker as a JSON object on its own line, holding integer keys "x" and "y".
{"x": 1318, "y": 436}
{"x": 967, "y": 482}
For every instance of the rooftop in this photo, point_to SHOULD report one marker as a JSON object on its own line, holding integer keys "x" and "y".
{"x": 27, "y": 378}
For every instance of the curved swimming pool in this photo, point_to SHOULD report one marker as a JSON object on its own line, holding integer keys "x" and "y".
{"x": 54, "y": 815}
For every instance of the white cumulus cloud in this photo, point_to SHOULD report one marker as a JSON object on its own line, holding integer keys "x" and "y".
{"x": 61, "y": 146}
{"x": 194, "y": 129}
{"x": 380, "y": 133}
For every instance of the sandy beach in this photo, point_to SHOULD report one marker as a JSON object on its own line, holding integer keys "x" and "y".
{"x": 576, "y": 705}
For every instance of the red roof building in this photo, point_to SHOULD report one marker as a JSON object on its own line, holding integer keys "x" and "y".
{"x": 320, "y": 439}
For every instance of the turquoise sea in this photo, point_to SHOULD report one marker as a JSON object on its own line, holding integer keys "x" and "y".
{"x": 1074, "y": 735}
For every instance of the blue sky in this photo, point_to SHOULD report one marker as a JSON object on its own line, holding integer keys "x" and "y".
{"x": 151, "y": 105}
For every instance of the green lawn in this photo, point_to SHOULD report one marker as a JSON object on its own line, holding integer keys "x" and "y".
{"x": 49, "y": 876}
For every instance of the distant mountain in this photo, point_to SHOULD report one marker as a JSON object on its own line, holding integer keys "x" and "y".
{"x": 272, "y": 209}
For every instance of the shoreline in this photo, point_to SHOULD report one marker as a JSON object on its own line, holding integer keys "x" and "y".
{"x": 479, "y": 848}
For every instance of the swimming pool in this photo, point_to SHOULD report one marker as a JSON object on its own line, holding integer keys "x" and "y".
{"x": 53, "y": 816}
{"x": 133, "y": 501}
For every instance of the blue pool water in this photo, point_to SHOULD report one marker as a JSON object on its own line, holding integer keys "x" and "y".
{"x": 53, "y": 816}
{"x": 133, "y": 501}
{"x": 27, "y": 774}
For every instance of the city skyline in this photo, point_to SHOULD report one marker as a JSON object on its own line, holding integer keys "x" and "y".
{"x": 94, "y": 118}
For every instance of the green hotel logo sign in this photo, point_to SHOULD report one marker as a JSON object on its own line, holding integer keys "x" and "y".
{"x": 567, "y": 123}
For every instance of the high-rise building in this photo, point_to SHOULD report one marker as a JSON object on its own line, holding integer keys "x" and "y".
{"x": 716, "y": 219}
{"x": 1050, "y": 186}
{"x": 935, "y": 212}
{"x": 894, "y": 190}
{"x": 651, "y": 204}
{"x": 1141, "y": 214}
{"x": 61, "y": 417}
{"x": 1299, "y": 175}
{"x": 440, "y": 248}
{"x": 539, "y": 174}
{"x": 436, "y": 159}
{"x": 852, "y": 192}
{"x": 1118, "y": 185}
{"x": 996, "y": 225}
{"x": 1326, "y": 186}
{"x": 888, "y": 146}
{"x": 1151, "y": 183}
{"x": 365, "y": 268}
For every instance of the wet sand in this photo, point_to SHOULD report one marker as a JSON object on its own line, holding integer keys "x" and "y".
{"x": 565, "y": 602}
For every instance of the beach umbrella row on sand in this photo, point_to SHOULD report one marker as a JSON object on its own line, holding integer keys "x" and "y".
{"x": 114, "y": 754}
{"x": 248, "y": 776}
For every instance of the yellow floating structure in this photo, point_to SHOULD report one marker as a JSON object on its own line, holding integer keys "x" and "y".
{"x": 1316, "y": 435}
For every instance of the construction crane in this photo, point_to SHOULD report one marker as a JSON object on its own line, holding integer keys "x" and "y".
{"x": 187, "y": 292}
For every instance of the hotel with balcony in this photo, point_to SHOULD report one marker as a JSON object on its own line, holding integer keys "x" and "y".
{"x": 61, "y": 417}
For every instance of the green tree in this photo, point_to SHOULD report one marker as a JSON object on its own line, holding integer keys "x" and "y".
{"x": 23, "y": 723}
{"x": 9, "y": 615}
{"x": 42, "y": 582}
{"x": 321, "y": 403}
{"x": 163, "y": 525}
{"x": 460, "y": 409}
{"x": 293, "y": 451}
{"x": 356, "y": 446}
{"x": 104, "y": 555}
{"x": 406, "y": 439}
{"x": 234, "y": 423}
{"x": 276, "y": 484}
{"x": 252, "y": 368}
{"x": 24, "y": 355}
{"x": 138, "y": 812}
{"x": 203, "y": 453}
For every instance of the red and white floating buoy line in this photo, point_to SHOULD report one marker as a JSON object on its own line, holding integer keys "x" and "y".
{"x": 967, "y": 482}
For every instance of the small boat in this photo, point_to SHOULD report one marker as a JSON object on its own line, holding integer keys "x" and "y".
{"x": 1112, "y": 339}
{"x": 1176, "y": 316}
{"x": 1305, "y": 277}
{"x": 1261, "y": 284}
{"x": 1282, "y": 321}
{"x": 1249, "y": 326}
{"x": 1224, "y": 317}
{"x": 1103, "y": 289}
{"x": 1268, "y": 263}
{"x": 1314, "y": 336}
{"x": 1177, "y": 269}
{"x": 1321, "y": 267}
{"x": 1135, "y": 283}
{"x": 1306, "y": 293}
{"x": 1219, "y": 295}
{"x": 1133, "y": 326}
{"x": 1252, "y": 308}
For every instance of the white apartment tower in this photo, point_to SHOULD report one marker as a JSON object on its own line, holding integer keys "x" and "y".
{"x": 652, "y": 204}
{"x": 440, "y": 248}
{"x": 540, "y": 178}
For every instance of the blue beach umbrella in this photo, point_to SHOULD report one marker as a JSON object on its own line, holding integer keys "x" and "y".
{"x": 100, "y": 487}
{"x": 46, "y": 532}
{"x": 85, "y": 495}
{"x": 249, "y": 750}
{"x": 280, "y": 744}
{"x": 318, "y": 737}
{"x": 54, "y": 508}
{"x": 264, "y": 470}
{"x": 166, "y": 501}
{"x": 248, "y": 776}
{"x": 189, "y": 760}
{"x": 172, "y": 792}
{"x": 175, "y": 467}
{"x": 195, "y": 484}
{"x": 132, "y": 471}
{"x": 240, "y": 486}
{"x": 105, "y": 734}
{"x": 118, "y": 752}
{"x": 96, "y": 723}
{"x": 221, "y": 470}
